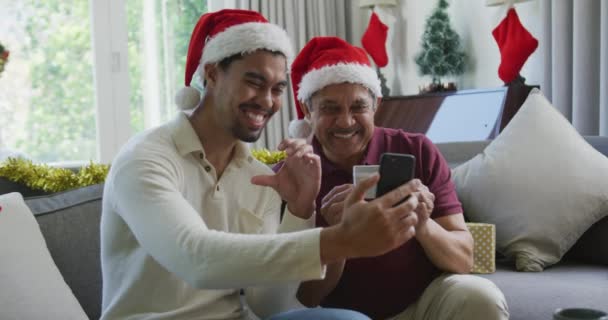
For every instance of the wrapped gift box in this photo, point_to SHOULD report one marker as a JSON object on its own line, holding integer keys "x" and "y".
{"x": 484, "y": 251}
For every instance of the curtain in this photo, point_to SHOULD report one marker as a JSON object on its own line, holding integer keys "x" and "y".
{"x": 302, "y": 19}
{"x": 574, "y": 44}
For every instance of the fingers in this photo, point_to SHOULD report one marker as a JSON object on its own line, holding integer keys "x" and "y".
{"x": 427, "y": 201}
{"x": 265, "y": 180}
{"x": 359, "y": 190}
{"x": 404, "y": 209}
{"x": 338, "y": 193}
{"x": 428, "y": 195}
{"x": 311, "y": 159}
{"x": 299, "y": 153}
{"x": 405, "y": 220}
{"x": 407, "y": 233}
{"x": 333, "y": 203}
{"x": 286, "y": 143}
{"x": 398, "y": 194}
{"x": 295, "y": 147}
{"x": 332, "y": 213}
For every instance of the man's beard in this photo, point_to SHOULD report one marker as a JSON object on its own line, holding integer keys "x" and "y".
{"x": 245, "y": 134}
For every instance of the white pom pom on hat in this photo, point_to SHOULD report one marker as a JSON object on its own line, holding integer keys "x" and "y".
{"x": 187, "y": 98}
{"x": 219, "y": 35}
{"x": 299, "y": 128}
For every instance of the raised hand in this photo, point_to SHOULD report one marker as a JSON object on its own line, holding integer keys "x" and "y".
{"x": 299, "y": 179}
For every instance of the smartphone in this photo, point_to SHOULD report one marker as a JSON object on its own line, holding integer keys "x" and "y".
{"x": 395, "y": 170}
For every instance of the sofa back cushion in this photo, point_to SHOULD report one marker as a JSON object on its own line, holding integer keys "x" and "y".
{"x": 524, "y": 165}
{"x": 69, "y": 222}
{"x": 592, "y": 247}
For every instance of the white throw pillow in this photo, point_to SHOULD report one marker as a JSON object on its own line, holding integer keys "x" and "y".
{"x": 539, "y": 182}
{"x": 31, "y": 285}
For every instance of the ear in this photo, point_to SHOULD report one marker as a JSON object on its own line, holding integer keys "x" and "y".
{"x": 378, "y": 102}
{"x": 305, "y": 110}
{"x": 211, "y": 72}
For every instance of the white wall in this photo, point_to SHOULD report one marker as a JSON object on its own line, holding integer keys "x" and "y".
{"x": 473, "y": 21}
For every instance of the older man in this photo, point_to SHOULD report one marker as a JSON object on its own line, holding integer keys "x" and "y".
{"x": 187, "y": 219}
{"x": 337, "y": 93}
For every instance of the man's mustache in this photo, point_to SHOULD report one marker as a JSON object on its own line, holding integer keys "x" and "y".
{"x": 345, "y": 130}
{"x": 254, "y": 106}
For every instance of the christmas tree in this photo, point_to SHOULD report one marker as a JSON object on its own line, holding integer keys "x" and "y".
{"x": 3, "y": 57}
{"x": 441, "y": 53}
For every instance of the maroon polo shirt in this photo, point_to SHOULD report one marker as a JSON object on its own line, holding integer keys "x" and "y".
{"x": 386, "y": 285}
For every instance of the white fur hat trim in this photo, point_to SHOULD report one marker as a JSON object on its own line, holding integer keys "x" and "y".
{"x": 242, "y": 38}
{"x": 318, "y": 79}
{"x": 245, "y": 38}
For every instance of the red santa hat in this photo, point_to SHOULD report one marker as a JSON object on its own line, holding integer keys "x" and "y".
{"x": 322, "y": 62}
{"x": 219, "y": 35}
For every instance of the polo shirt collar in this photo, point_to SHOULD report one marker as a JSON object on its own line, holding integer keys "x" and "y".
{"x": 186, "y": 141}
{"x": 183, "y": 134}
{"x": 375, "y": 147}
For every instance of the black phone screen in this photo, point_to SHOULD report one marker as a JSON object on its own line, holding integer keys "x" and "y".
{"x": 395, "y": 170}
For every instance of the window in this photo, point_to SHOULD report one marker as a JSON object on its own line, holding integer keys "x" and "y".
{"x": 159, "y": 34}
{"x": 83, "y": 76}
{"x": 46, "y": 89}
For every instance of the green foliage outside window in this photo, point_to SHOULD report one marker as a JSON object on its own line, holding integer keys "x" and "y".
{"x": 61, "y": 117}
{"x": 176, "y": 33}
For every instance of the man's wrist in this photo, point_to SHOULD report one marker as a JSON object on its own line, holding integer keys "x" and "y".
{"x": 334, "y": 247}
{"x": 302, "y": 212}
{"x": 423, "y": 229}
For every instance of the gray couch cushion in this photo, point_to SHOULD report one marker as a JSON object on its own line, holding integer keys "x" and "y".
{"x": 535, "y": 295}
{"x": 69, "y": 222}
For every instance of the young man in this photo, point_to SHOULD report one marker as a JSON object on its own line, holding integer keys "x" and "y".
{"x": 337, "y": 92}
{"x": 188, "y": 219}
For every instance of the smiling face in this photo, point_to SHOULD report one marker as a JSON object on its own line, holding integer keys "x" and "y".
{"x": 342, "y": 119}
{"x": 247, "y": 92}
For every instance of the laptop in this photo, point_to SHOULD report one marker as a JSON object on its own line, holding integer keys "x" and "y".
{"x": 465, "y": 115}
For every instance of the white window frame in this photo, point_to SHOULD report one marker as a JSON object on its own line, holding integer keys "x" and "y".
{"x": 111, "y": 76}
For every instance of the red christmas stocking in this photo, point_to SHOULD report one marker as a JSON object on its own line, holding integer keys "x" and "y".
{"x": 374, "y": 40}
{"x": 516, "y": 44}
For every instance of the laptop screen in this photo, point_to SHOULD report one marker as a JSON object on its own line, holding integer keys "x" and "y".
{"x": 465, "y": 115}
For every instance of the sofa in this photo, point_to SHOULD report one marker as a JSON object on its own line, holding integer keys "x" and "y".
{"x": 69, "y": 222}
{"x": 580, "y": 279}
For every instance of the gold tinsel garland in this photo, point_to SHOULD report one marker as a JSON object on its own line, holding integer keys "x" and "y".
{"x": 268, "y": 157}
{"x": 51, "y": 179}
